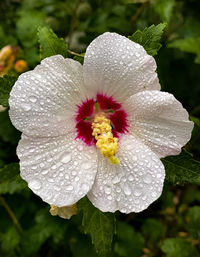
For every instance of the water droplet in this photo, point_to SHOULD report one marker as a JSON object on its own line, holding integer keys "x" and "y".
{"x": 154, "y": 194}
{"x": 85, "y": 187}
{"x": 26, "y": 107}
{"x": 107, "y": 190}
{"x": 86, "y": 165}
{"x": 74, "y": 172}
{"x": 77, "y": 179}
{"x": 118, "y": 198}
{"x": 137, "y": 193}
{"x": 109, "y": 197}
{"x": 130, "y": 178}
{"x": 80, "y": 147}
{"x": 33, "y": 99}
{"x": 66, "y": 157}
{"x": 44, "y": 172}
{"x": 147, "y": 179}
{"x": 144, "y": 197}
{"x": 159, "y": 175}
{"x": 134, "y": 158}
{"x": 57, "y": 188}
{"x": 69, "y": 188}
{"x": 66, "y": 176}
{"x": 35, "y": 184}
{"x": 116, "y": 180}
{"x": 127, "y": 189}
{"x": 118, "y": 189}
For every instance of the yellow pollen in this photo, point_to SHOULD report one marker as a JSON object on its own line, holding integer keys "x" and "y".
{"x": 107, "y": 144}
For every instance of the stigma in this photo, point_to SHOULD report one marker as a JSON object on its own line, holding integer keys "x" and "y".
{"x": 105, "y": 142}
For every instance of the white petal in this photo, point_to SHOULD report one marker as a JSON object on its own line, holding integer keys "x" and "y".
{"x": 115, "y": 65}
{"x": 60, "y": 170}
{"x": 160, "y": 121}
{"x": 43, "y": 101}
{"x": 132, "y": 185}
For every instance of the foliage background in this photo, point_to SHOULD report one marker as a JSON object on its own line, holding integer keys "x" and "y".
{"x": 169, "y": 227}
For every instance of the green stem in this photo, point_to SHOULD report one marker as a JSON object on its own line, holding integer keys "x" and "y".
{"x": 139, "y": 11}
{"x": 73, "y": 53}
{"x": 12, "y": 215}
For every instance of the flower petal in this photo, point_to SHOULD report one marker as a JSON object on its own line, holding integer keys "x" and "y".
{"x": 118, "y": 67}
{"x": 43, "y": 101}
{"x": 60, "y": 170}
{"x": 132, "y": 185}
{"x": 160, "y": 121}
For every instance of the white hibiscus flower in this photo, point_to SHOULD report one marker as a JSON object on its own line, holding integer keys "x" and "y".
{"x": 97, "y": 129}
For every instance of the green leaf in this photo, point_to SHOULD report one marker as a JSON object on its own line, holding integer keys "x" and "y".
{"x": 50, "y": 44}
{"x": 6, "y": 84}
{"x": 164, "y": 8}
{"x": 27, "y": 25}
{"x": 153, "y": 229}
{"x": 195, "y": 120}
{"x": 182, "y": 169}
{"x": 100, "y": 226}
{"x": 82, "y": 247}
{"x": 45, "y": 226}
{"x": 79, "y": 59}
{"x": 178, "y": 247}
{"x": 149, "y": 38}
{"x": 9, "y": 241}
{"x": 11, "y": 182}
{"x": 6, "y": 39}
{"x": 193, "y": 218}
{"x": 128, "y": 241}
{"x": 190, "y": 195}
{"x": 7, "y": 132}
{"x": 189, "y": 45}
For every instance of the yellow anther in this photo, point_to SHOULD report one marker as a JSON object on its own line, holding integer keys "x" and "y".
{"x": 107, "y": 144}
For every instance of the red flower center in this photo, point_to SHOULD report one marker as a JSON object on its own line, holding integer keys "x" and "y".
{"x": 89, "y": 108}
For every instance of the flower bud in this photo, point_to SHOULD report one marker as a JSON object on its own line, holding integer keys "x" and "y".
{"x": 83, "y": 11}
{"x": 5, "y": 54}
{"x": 21, "y": 66}
{"x": 7, "y": 57}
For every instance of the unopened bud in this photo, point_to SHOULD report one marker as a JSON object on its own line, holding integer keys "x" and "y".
{"x": 7, "y": 57}
{"x": 21, "y": 66}
{"x": 83, "y": 11}
{"x": 5, "y": 53}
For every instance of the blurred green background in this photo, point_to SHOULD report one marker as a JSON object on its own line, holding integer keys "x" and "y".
{"x": 169, "y": 227}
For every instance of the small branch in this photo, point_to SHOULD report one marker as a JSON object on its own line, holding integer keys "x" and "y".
{"x": 76, "y": 54}
{"x": 195, "y": 110}
{"x": 140, "y": 10}
{"x": 12, "y": 215}
{"x": 73, "y": 24}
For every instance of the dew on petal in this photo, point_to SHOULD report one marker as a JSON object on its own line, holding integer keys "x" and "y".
{"x": 147, "y": 179}
{"x": 33, "y": 99}
{"x": 26, "y": 107}
{"x": 69, "y": 188}
{"x": 35, "y": 184}
{"x": 127, "y": 189}
{"x": 66, "y": 157}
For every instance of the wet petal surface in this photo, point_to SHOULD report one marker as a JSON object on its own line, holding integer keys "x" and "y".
{"x": 43, "y": 101}
{"x": 60, "y": 170}
{"x": 118, "y": 67}
{"x": 160, "y": 121}
{"x": 132, "y": 185}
